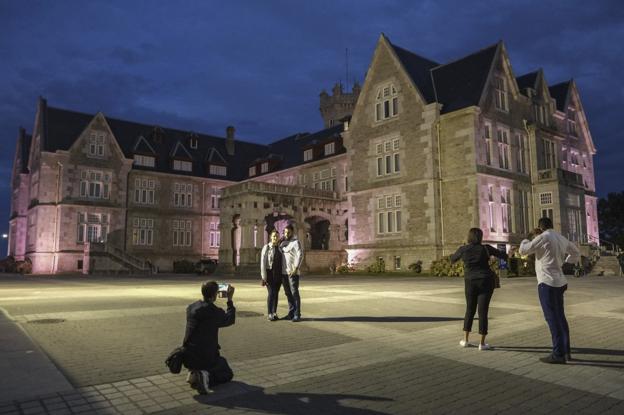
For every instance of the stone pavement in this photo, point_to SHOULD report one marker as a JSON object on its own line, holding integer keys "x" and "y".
{"x": 359, "y": 351}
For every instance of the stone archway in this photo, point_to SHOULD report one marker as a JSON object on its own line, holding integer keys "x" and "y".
{"x": 319, "y": 232}
{"x": 277, "y": 221}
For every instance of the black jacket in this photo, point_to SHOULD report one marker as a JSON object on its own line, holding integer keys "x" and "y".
{"x": 201, "y": 340}
{"x": 476, "y": 259}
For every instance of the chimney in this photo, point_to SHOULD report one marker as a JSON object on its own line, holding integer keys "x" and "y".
{"x": 229, "y": 140}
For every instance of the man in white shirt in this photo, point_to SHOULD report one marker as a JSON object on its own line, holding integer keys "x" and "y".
{"x": 293, "y": 257}
{"x": 550, "y": 248}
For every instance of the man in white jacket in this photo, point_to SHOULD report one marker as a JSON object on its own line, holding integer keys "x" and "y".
{"x": 293, "y": 257}
{"x": 550, "y": 248}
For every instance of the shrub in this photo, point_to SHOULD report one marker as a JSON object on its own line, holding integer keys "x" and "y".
{"x": 444, "y": 268}
{"x": 345, "y": 268}
{"x": 416, "y": 267}
{"x": 24, "y": 267}
{"x": 183, "y": 266}
{"x": 377, "y": 267}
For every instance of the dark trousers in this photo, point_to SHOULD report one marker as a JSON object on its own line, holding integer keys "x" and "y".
{"x": 478, "y": 295}
{"x": 291, "y": 289}
{"x": 273, "y": 287}
{"x": 219, "y": 370}
{"x": 551, "y": 299}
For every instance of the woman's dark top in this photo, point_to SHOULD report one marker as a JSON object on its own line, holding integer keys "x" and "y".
{"x": 274, "y": 275}
{"x": 476, "y": 259}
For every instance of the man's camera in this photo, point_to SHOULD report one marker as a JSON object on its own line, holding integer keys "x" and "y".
{"x": 222, "y": 292}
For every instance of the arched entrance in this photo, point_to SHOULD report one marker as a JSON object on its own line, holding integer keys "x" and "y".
{"x": 319, "y": 233}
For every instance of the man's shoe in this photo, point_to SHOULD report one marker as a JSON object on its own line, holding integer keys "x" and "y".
{"x": 270, "y": 317}
{"x": 275, "y": 317}
{"x": 553, "y": 360}
{"x": 203, "y": 386}
{"x": 568, "y": 357}
{"x": 464, "y": 343}
{"x": 288, "y": 317}
{"x": 485, "y": 346}
{"x": 296, "y": 319}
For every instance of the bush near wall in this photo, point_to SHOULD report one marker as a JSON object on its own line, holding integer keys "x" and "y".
{"x": 444, "y": 268}
{"x": 183, "y": 267}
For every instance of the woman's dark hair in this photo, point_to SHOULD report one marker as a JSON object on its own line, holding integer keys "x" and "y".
{"x": 475, "y": 236}
{"x": 545, "y": 223}
{"x": 273, "y": 231}
{"x": 290, "y": 227}
{"x": 209, "y": 289}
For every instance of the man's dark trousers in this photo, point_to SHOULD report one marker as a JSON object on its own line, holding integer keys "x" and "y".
{"x": 551, "y": 299}
{"x": 291, "y": 289}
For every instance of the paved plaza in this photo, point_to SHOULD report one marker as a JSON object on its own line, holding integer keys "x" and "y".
{"x": 367, "y": 345}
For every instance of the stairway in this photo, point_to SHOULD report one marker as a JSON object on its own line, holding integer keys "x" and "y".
{"x": 607, "y": 265}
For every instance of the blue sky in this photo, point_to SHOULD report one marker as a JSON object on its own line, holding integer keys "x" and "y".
{"x": 260, "y": 65}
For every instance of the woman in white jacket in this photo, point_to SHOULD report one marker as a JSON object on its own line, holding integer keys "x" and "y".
{"x": 271, "y": 272}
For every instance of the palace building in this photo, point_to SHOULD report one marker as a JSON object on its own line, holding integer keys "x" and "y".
{"x": 404, "y": 166}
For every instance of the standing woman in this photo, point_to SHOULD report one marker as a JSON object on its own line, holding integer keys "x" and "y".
{"x": 271, "y": 272}
{"x": 479, "y": 280}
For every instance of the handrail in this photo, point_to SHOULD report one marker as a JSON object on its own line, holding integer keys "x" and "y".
{"x": 130, "y": 259}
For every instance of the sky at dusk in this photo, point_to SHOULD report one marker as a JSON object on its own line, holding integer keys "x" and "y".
{"x": 260, "y": 65}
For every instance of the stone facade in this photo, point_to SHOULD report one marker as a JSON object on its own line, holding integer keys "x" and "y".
{"x": 406, "y": 165}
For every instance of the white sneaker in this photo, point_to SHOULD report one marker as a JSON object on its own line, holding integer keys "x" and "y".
{"x": 485, "y": 347}
{"x": 464, "y": 343}
{"x": 203, "y": 386}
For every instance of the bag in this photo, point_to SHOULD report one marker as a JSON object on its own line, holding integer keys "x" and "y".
{"x": 174, "y": 360}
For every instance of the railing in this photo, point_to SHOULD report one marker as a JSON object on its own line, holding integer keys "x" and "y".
{"x": 282, "y": 189}
{"x": 565, "y": 176}
{"x": 118, "y": 253}
{"x": 603, "y": 244}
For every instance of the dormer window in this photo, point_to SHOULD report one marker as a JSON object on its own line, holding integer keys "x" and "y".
{"x": 217, "y": 170}
{"x": 96, "y": 144}
{"x": 193, "y": 142}
{"x": 182, "y": 165}
{"x": 500, "y": 94}
{"x": 252, "y": 171}
{"x": 386, "y": 103}
{"x": 571, "y": 121}
{"x": 264, "y": 167}
{"x": 147, "y": 161}
{"x": 330, "y": 148}
{"x": 308, "y": 154}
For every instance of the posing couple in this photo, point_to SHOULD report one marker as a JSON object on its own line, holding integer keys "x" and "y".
{"x": 280, "y": 261}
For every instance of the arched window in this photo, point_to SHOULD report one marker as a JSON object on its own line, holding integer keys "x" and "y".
{"x": 386, "y": 103}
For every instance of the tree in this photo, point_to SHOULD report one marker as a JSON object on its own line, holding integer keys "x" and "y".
{"x": 611, "y": 218}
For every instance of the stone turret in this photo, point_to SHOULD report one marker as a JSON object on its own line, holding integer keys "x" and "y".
{"x": 338, "y": 105}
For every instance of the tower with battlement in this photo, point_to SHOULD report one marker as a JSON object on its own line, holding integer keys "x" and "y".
{"x": 338, "y": 105}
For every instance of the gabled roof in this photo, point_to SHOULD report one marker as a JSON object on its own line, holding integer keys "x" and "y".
{"x": 419, "y": 69}
{"x": 527, "y": 81}
{"x": 142, "y": 146}
{"x": 180, "y": 152}
{"x": 460, "y": 84}
{"x": 560, "y": 93}
{"x": 214, "y": 156}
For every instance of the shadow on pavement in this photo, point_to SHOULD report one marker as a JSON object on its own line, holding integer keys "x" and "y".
{"x": 256, "y": 399}
{"x": 387, "y": 319}
{"x": 616, "y": 364}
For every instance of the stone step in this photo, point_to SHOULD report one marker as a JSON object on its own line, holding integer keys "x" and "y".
{"x": 608, "y": 266}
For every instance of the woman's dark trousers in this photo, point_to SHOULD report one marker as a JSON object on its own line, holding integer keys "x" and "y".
{"x": 273, "y": 285}
{"x": 478, "y": 295}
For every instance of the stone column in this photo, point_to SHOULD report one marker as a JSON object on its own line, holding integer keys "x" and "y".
{"x": 86, "y": 259}
{"x": 334, "y": 237}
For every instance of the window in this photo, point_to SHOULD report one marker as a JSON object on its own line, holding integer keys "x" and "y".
{"x": 574, "y": 158}
{"x": 500, "y": 94}
{"x": 548, "y": 154}
{"x": 182, "y": 165}
{"x": 96, "y": 144}
{"x": 264, "y": 167}
{"x": 330, "y": 148}
{"x": 541, "y": 114}
{"x": 252, "y": 171}
{"x": 506, "y": 208}
{"x": 503, "y": 149}
{"x": 215, "y": 198}
{"x": 182, "y": 195}
{"x": 182, "y": 233}
{"x": 324, "y": 179}
{"x": 92, "y": 227}
{"x": 388, "y": 161}
{"x": 214, "y": 235}
{"x": 142, "y": 231}
{"x": 547, "y": 213}
{"x": 521, "y": 164}
{"x": 491, "y": 209}
{"x": 487, "y": 135}
{"x": 308, "y": 154}
{"x": 387, "y": 103}
{"x": 193, "y": 143}
{"x": 389, "y": 214}
{"x": 218, "y": 170}
{"x": 523, "y": 208}
{"x": 147, "y": 161}
{"x": 397, "y": 262}
{"x": 95, "y": 184}
{"x": 572, "y": 121}
{"x": 545, "y": 198}
{"x": 144, "y": 191}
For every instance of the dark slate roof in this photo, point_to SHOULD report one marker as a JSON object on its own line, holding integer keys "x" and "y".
{"x": 290, "y": 148}
{"x": 419, "y": 69}
{"x": 527, "y": 81}
{"x": 460, "y": 84}
{"x": 64, "y": 127}
{"x": 560, "y": 92}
